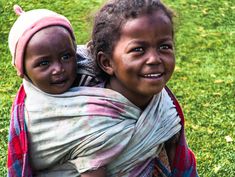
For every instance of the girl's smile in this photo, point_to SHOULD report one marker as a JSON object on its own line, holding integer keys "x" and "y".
{"x": 143, "y": 58}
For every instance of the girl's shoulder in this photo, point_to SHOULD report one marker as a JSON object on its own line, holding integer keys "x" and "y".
{"x": 176, "y": 103}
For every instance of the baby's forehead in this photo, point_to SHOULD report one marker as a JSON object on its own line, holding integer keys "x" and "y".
{"x": 50, "y": 36}
{"x": 58, "y": 28}
{"x": 55, "y": 30}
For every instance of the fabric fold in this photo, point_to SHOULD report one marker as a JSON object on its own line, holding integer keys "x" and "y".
{"x": 96, "y": 120}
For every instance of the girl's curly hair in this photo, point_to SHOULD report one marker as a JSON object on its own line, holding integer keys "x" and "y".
{"x": 113, "y": 15}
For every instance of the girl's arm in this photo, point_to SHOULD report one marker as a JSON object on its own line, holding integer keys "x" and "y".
{"x": 170, "y": 146}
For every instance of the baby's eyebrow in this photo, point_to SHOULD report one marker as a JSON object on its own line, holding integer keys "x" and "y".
{"x": 40, "y": 58}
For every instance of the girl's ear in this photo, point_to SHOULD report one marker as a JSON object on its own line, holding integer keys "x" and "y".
{"x": 105, "y": 63}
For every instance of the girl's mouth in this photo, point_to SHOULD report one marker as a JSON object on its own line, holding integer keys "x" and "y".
{"x": 155, "y": 75}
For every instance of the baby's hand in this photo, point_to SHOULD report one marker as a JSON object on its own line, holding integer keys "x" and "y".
{"x": 100, "y": 172}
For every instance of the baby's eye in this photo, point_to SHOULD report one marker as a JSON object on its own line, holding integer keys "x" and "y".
{"x": 66, "y": 56}
{"x": 43, "y": 63}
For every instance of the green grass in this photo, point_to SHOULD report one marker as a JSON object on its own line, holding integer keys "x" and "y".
{"x": 203, "y": 80}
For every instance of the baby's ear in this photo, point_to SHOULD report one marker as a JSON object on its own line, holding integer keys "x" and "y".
{"x": 105, "y": 63}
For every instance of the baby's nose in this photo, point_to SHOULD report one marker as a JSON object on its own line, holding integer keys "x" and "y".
{"x": 57, "y": 68}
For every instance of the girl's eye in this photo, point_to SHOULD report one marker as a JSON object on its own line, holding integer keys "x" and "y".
{"x": 165, "y": 47}
{"x": 138, "y": 49}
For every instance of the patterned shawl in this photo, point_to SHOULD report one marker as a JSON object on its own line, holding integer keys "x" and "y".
{"x": 18, "y": 154}
{"x": 184, "y": 162}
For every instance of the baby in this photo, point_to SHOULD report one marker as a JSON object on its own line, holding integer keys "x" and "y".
{"x": 43, "y": 47}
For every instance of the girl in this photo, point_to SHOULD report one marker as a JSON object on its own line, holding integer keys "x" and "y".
{"x": 132, "y": 42}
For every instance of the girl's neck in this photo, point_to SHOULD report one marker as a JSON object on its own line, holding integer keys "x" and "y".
{"x": 140, "y": 101}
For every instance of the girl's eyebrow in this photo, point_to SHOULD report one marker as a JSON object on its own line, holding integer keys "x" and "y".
{"x": 136, "y": 41}
{"x": 166, "y": 39}
{"x": 142, "y": 42}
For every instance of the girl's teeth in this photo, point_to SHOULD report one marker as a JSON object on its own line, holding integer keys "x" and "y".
{"x": 152, "y": 75}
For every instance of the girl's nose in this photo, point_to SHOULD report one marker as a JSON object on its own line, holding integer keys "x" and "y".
{"x": 57, "y": 68}
{"x": 153, "y": 57}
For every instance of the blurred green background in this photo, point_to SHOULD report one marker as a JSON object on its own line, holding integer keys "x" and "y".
{"x": 203, "y": 80}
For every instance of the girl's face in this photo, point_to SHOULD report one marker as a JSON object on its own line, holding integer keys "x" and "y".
{"x": 50, "y": 61}
{"x": 143, "y": 59}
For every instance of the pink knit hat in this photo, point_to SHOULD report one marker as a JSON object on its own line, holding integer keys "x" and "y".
{"x": 27, "y": 24}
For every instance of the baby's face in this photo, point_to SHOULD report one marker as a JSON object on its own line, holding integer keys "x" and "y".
{"x": 50, "y": 60}
{"x": 143, "y": 58}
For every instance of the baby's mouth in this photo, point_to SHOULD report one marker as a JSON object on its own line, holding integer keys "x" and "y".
{"x": 58, "y": 82}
